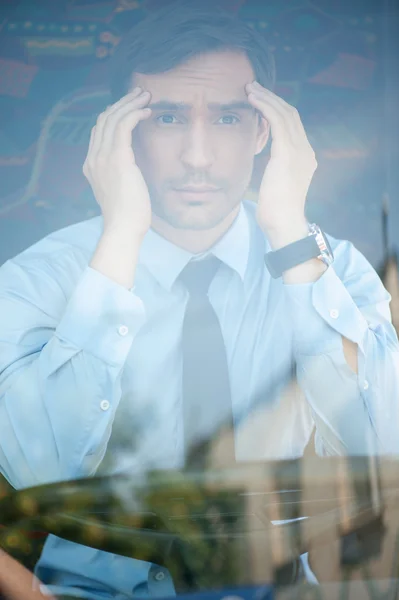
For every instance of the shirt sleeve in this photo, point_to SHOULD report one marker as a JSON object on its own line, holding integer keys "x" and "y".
{"x": 354, "y": 413}
{"x": 61, "y": 361}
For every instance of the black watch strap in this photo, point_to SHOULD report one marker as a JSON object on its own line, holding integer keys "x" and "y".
{"x": 292, "y": 255}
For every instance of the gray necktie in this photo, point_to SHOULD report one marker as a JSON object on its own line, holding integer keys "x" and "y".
{"x": 207, "y": 404}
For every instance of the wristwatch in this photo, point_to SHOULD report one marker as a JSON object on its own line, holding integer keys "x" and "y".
{"x": 315, "y": 245}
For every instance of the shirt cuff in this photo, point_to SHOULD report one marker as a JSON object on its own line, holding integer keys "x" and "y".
{"x": 322, "y": 312}
{"x": 102, "y": 318}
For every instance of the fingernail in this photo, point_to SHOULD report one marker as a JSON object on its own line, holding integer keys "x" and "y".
{"x": 137, "y": 90}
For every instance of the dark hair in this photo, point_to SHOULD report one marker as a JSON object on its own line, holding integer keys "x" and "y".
{"x": 169, "y": 36}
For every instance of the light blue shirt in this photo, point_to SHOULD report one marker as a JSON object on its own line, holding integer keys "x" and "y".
{"x": 90, "y": 371}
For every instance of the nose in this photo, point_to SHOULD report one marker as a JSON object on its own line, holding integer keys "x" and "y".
{"x": 197, "y": 153}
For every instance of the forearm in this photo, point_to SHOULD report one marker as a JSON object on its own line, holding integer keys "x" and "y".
{"x": 18, "y": 583}
{"x": 307, "y": 272}
{"x": 345, "y": 347}
{"x": 58, "y": 400}
{"x": 354, "y": 413}
{"x": 52, "y": 425}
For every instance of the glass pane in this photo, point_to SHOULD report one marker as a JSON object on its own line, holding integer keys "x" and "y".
{"x": 199, "y": 304}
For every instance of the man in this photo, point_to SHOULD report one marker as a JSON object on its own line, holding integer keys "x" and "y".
{"x": 113, "y": 360}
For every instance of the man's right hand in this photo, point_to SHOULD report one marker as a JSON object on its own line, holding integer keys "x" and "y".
{"x": 119, "y": 188}
{"x": 111, "y": 169}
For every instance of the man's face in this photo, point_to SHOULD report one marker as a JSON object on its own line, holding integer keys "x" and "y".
{"x": 201, "y": 144}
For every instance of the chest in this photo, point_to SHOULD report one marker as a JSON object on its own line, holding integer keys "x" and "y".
{"x": 257, "y": 334}
{"x": 256, "y": 331}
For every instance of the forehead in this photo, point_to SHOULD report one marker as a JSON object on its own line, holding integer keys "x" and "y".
{"x": 218, "y": 76}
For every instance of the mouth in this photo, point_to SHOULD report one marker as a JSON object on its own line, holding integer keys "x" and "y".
{"x": 197, "y": 194}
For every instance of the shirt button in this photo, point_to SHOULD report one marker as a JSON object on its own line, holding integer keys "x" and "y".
{"x": 366, "y": 385}
{"x": 160, "y": 576}
{"x": 104, "y": 405}
{"x": 334, "y": 313}
{"x": 123, "y": 330}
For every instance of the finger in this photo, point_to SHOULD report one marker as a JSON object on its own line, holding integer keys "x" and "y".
{"x": 117, "y": 131}
{"x": 103, "y": 117}
{"x": 287, "y": 112}
{"x": 280, "y": 132}
{"x": 101, "y": 120}
{"x": 92, "y": 134}
{"x": 138, "y": 91}
{"x": 276, "y": 100}
{"x": 86, "y": 162}
{"x": 118, "y": 115}
{"x": 122, "y": 133}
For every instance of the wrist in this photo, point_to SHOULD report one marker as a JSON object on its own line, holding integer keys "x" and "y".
{"x": 304, "y": 266}
{"x": 123, "y": 233}
{"x": 117, "y": 254}
{"x": 307, "y": 272}
{"x": 287, "y": 232}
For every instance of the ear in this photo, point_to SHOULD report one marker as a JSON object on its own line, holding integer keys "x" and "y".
{"x": 262, "y": 135}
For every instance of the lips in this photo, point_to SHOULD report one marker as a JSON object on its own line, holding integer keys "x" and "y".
{"x": 197, "y": 190}
{"x": 197, "y": 196}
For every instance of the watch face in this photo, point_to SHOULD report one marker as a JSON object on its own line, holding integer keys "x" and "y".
{"x": 328, "y": 245}
{"x": 325, "y": 248}
{"x": 326, "y": 252}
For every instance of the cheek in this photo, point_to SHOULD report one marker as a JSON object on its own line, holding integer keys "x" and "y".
{"x": 149, "y": 155}
{"x": 241, "y": 148}
{"x": 239, "y": 153}
{"x": 154, "y": 167}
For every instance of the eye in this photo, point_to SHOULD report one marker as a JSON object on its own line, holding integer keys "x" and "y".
{"x": 170, "y": 116}
{"x": 230, "y": 117}
{"x": 167, "y": 116}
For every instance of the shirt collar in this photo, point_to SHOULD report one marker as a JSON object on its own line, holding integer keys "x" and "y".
{"x": 165, "y": 260}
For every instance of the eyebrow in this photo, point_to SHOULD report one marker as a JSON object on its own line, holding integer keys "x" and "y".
{"x": 175, "y": 106}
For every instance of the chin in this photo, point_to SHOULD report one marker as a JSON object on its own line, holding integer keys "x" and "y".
{"x": 195, "y": 217}
{"x": 204, "y": 224}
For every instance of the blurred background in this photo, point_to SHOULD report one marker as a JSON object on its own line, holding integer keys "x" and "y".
{"x": 337, "y": 62}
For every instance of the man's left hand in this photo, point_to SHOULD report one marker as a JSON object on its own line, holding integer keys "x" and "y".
{"x": 284, "y": 187}
{"x": 292, "y": 164}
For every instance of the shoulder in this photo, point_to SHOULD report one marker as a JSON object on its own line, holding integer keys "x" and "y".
{"x": 80, "y": 237}
{"x": 59, "y": 258}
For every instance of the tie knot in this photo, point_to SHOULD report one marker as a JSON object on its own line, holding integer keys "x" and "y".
{"x": 198, "y": 274}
